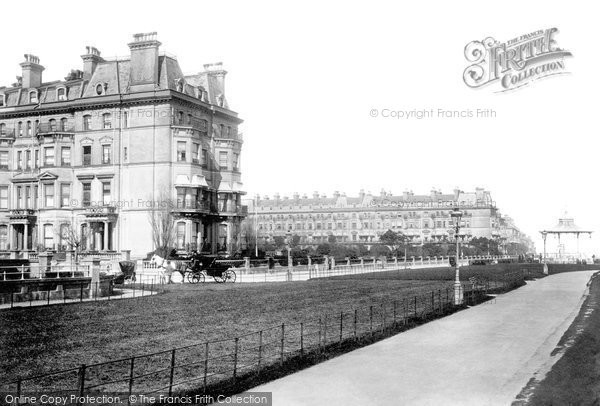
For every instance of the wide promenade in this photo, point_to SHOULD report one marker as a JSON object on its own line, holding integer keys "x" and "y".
{"x": 484, "y": 355}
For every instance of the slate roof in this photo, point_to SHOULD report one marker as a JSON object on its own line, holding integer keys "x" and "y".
{"x": 115, "y": 74}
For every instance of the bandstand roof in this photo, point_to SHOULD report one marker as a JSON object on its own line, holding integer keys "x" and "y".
{"x": 566, "y": 225}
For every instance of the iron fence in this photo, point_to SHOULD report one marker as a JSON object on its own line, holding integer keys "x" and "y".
{"x": 204, "y": 366}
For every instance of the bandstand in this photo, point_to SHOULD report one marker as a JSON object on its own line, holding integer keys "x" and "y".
{"x": 564, "y": 231}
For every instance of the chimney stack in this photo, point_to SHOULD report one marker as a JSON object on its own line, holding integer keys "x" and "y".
{"x": 216, "y": 71}
{"x": 91, "y": 58}
{"x": 144, "y": 62}
{"x": 32, "y": 71}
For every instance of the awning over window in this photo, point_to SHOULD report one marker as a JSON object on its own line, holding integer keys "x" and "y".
{"x": 182, "y": 181}
{"x": 199, "y": 181}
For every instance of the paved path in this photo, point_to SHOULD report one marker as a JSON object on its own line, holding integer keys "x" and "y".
{"x": 481, "y": 356}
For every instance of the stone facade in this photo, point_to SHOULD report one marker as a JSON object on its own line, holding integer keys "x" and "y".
{"x": 98, "y": 151}
{"x": 362, "y": 219}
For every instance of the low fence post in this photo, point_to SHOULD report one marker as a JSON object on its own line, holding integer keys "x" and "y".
{"x": 415, "y": 307}
{"x": 320, "y": 333}
{"x": 432, "y": 302}
{"x": 235, "y": 358}
{"x": 48, "y": 297}
{"x": 81, "y": 380}
{"x": 81, "y": 292}
{"x": 18, "y": 390}
{"x": 302, "y": 338}
{"x": 206, "y": 365}
{"x": 260, "y": 345}
{"x": 440, "y": 301}
{"x": 172, "y": 372}
{"x": 282, "y": 341}
{"x": 131, "y": 368}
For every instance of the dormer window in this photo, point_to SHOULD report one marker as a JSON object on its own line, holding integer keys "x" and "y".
{"x": 33, "y": 96}
{"x": 99, "y": 89}
{"x": 61, "y": 94}
{"x": 2, "y": 101}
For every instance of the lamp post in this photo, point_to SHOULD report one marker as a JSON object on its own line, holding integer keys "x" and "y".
{"x": 458, "y": 294}
{"x": 289, "y": 251}
{"x": 544, "y": 235}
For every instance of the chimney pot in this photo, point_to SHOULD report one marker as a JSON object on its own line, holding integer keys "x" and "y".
{"x": 32, "y": 71}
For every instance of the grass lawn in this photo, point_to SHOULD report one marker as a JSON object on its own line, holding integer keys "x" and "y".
{"x": 44, "y": 339}
{"x": 495, "y": 272}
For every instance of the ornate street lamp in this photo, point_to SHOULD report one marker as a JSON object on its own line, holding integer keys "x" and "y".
{"x": 288, "y": 241}
{"x": 458, "y": 294}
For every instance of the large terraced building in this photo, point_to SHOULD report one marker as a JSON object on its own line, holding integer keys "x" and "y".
{"x": 364, "y": 218}
{"x": 97, "y": 151}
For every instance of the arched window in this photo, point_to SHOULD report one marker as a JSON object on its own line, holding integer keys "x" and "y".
{"x": 99, "y": 89}
{"x": 63, "y": 124}
{"x": 52, "y": 124}
{"x": 20, "y": 128}
{"x": 87, "y": 122}
{"x": 33, "y": 96}
{"x": 2, "y": 128}
{"x": 29, "y": 128}
{"x": 61, "y": 94}
{"x": 106, "y": 121}
{"x": 2, "y": 100}
{"x": 180, "y": 117}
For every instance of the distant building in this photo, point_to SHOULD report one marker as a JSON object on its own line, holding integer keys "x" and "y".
{"x": 97, "y": 150}
{"x": 363, "y": 219}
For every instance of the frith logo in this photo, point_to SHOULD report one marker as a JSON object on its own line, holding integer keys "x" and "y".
{"x": 515, "y": 63}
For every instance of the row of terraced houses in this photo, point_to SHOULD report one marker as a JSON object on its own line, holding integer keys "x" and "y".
{"x": 364, "y": 218}
{"x": 98, "y": 151}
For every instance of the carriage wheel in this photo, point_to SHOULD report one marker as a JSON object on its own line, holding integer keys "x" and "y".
{"x": 197, "y": 277}
{"x": 229, "y": 276}
{"x": 220, "y": 279}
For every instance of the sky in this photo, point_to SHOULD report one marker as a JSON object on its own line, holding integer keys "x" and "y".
{"x": 306, "y": 76}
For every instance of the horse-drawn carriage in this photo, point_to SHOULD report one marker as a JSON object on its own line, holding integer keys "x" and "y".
{"x": 205, "y": 265}
{"x": 198, "y": 267}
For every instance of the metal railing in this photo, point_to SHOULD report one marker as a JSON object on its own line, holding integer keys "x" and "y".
{"x": 207, "y": 365}
{"x": 35, "y": 272}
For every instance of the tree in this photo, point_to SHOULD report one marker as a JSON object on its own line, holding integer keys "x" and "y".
{"x": 295, "y": 241}
{"x": 331, "y": 239}
{"x": 249, "y": 235}
{"x": 393, "y": 240}
{"x": 279, "y": 242}
{"x": 324, "y": 249}
{"x": 75, "y": 239}
{"x": 162, "y": 224}
{"x": 380, "y": 250}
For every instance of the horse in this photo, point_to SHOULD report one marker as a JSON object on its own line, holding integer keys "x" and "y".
{"x": 168, "y": 266}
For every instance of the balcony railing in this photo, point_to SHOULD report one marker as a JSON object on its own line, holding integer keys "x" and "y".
{"x": 21, "y": 213}
{"x": 55, "y": 129}
{"x": 7, "y": 133}
{"x": 193, "y": 205}
{"x": 190, "y": 122}
{"x": 100, "y": 210}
